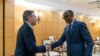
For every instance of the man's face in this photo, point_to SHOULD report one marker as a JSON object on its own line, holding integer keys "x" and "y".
{"x": 69, "y": 19}
{"x": 33, "y": 19}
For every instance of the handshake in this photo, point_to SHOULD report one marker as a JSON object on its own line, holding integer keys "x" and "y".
{"x": 48, "y": 47}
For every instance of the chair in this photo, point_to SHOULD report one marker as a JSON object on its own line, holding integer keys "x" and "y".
{"x": 50, "y": 52}
{"x": 96, "y": 46}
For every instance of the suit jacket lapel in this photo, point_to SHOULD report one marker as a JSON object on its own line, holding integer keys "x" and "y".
{"x": 31, "y": 31}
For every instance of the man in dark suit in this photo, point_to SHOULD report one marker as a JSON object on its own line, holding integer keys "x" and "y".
{"x": 26, "y": 42}
{"x": 77, "y": 36}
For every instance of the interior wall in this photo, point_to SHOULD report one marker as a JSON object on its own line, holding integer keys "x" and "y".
{"x": 9, "y": 28}
{"x": 51, "y": 23}
{"x": 94, "y": 28}
{"x": 1, "y": 28}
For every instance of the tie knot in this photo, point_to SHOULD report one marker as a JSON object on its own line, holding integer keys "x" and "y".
{"x": 70, "y": 26}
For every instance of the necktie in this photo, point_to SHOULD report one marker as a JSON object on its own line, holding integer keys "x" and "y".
{"x": 69, "y": 30}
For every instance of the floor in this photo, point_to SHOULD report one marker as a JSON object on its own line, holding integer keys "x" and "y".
{"x": 96, "y": 54}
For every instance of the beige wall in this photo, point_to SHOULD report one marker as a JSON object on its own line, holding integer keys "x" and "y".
{"x": 9, "y": 28}
{"x": 1, "y": 28}
{"x": 94, "y": 29}
{"x": 51, "y": 23}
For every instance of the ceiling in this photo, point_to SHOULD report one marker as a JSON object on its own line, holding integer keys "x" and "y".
{"x": 80, "y": 6}
{"x": 78, "y": 3}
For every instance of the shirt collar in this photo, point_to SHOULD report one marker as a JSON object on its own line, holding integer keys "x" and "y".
{"x": 72, "y": 22}
{"x": 29, "y": 24}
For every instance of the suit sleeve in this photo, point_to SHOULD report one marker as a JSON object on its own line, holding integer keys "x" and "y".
{"x": 30, "y": 44}
{"x": 87, "y": 38}
{"x": 59, "y": 42}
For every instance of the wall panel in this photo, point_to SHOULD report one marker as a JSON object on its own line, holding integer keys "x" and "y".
{"x": 51, "y": 24}
{"x": 9, "y": 28}
{"x": 1, "y": 27}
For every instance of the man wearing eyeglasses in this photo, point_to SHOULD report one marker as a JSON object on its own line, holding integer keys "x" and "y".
{"x": 77, "y": 36}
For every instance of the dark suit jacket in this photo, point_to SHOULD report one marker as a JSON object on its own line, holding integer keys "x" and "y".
{"x": 26, "y": 43}
{"x": 79, "y": 42}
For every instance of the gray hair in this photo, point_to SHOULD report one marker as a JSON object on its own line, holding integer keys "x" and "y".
{"x": 26, "y": 14}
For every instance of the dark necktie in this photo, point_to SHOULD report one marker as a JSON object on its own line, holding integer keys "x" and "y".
{"x": 70, "y": 30}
